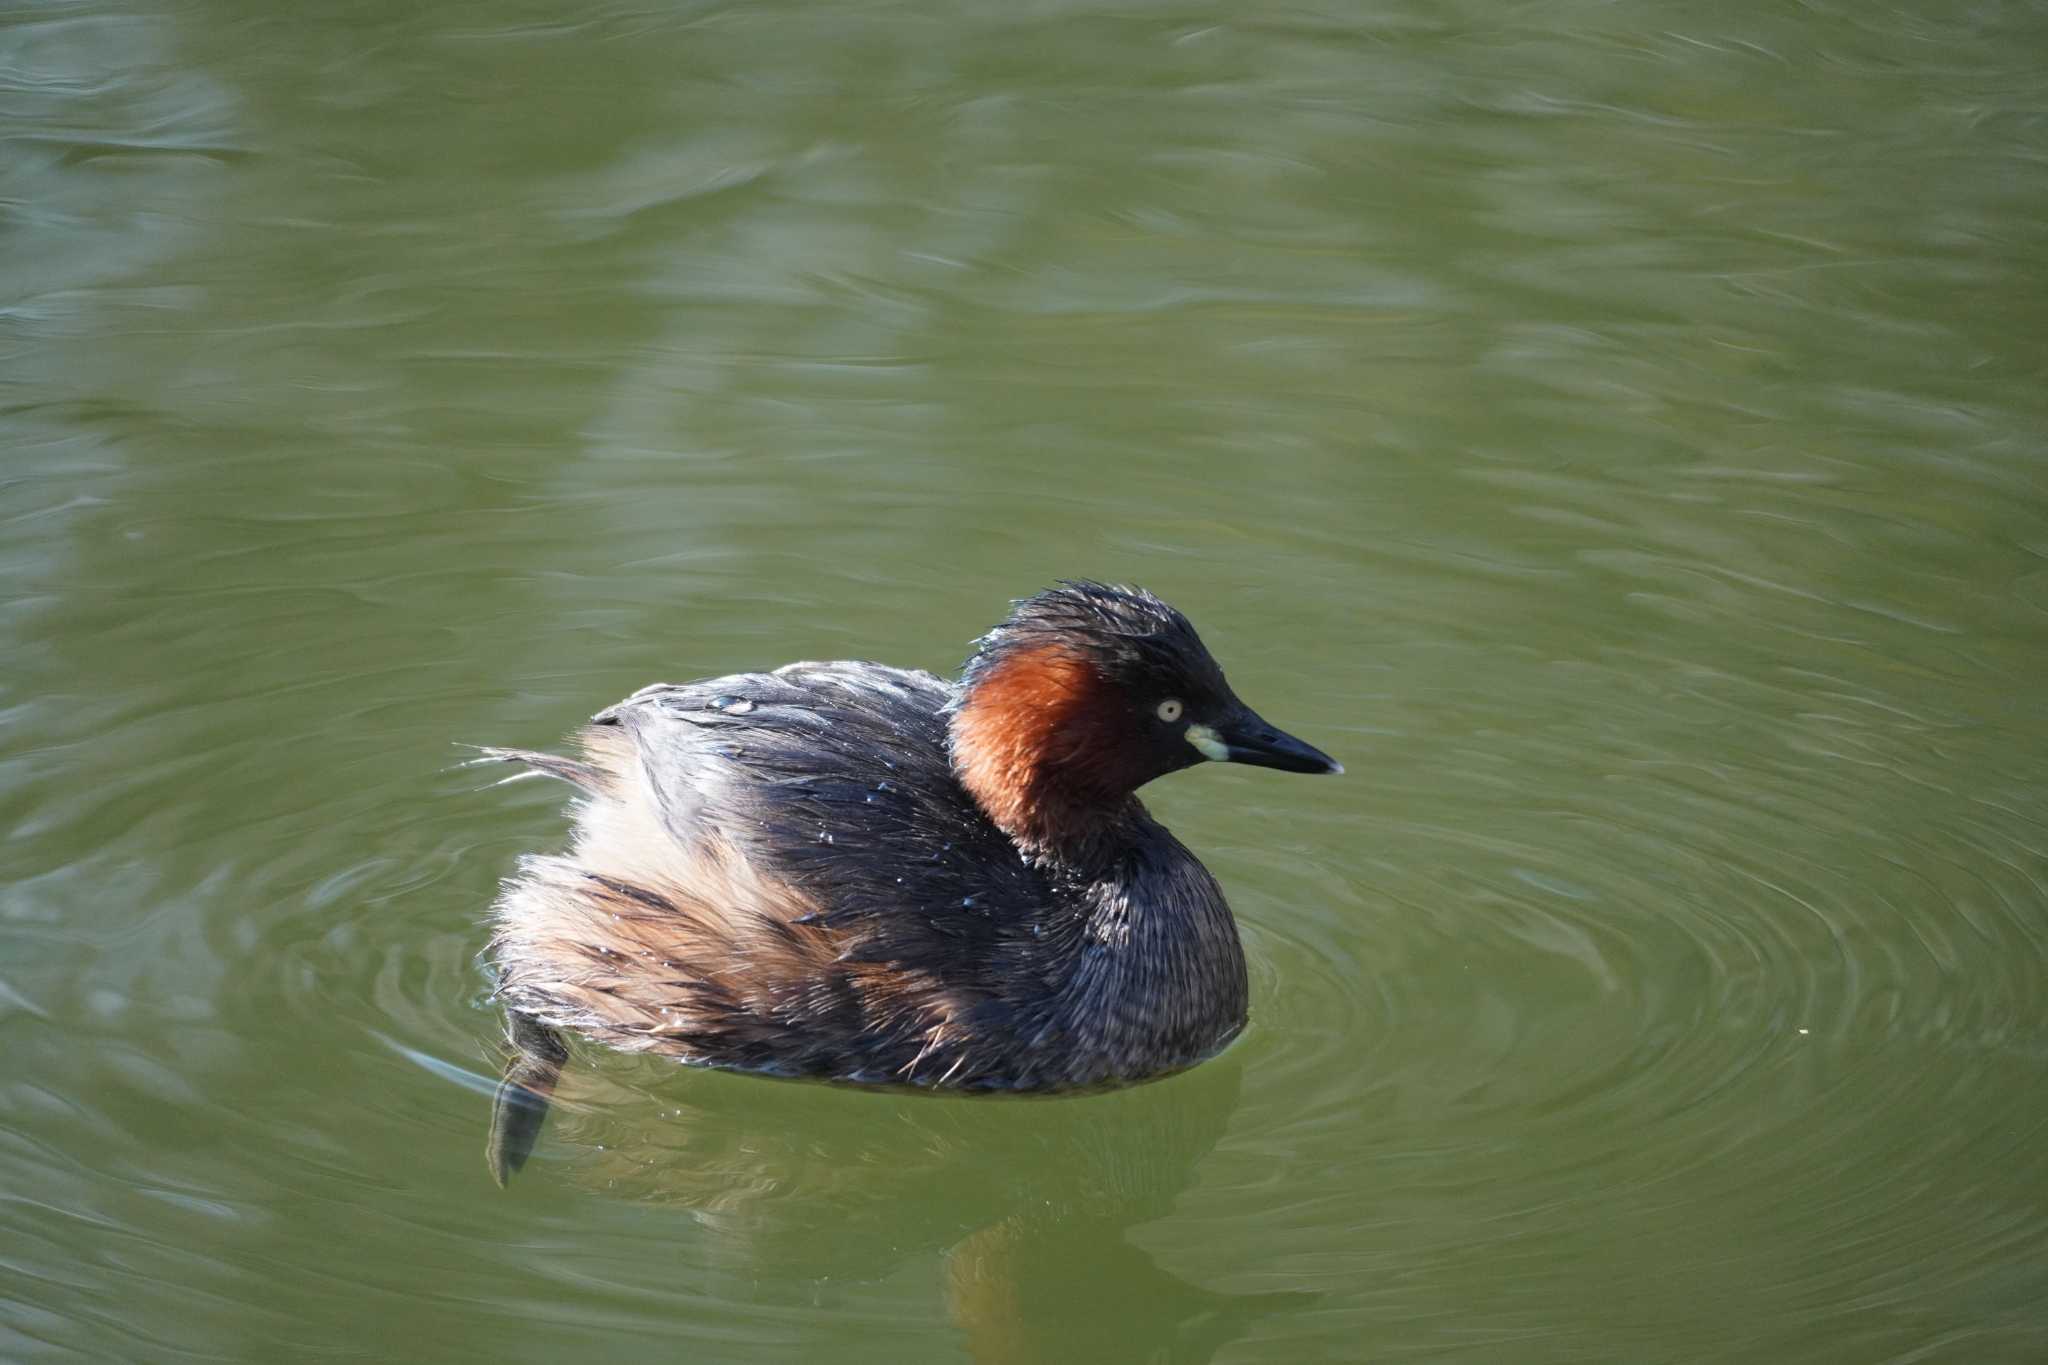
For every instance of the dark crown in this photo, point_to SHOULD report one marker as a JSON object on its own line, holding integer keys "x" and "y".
{"x": 1128, "y": 634}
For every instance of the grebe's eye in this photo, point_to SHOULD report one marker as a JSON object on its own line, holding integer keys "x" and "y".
{"x": 1169, "y": 710}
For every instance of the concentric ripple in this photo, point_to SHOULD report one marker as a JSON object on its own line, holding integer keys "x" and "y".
{"x": 1614, "y": 433}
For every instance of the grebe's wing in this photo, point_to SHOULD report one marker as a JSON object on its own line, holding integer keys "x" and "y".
{"x": 778, "y": 871}
{"x": 773, "y": 871}
{"x": 835, "y": 778}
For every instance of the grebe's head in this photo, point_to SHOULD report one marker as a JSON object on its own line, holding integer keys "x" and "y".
{"x": 1088, "y": 692}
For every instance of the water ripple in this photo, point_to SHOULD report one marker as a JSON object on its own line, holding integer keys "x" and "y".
{"x": 1626, "y": 459}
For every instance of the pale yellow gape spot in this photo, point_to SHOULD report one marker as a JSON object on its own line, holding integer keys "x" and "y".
{"x": 1209, "y": 742}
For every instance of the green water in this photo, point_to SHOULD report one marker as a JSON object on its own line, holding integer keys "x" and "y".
{"x": 1614, "y": 430}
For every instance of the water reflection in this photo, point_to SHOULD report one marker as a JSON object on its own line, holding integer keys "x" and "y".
{"x": 1028, "y": 1204}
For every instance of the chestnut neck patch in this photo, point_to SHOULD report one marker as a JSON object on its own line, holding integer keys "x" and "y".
{"x": 1041, "y": 741}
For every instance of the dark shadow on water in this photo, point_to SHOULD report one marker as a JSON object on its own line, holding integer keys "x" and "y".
{"x": 1027, "y": 1204}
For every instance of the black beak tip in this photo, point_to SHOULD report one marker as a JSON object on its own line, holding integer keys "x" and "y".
{"x": 1316, "y": 763}
{"x": 1297, "y": 757}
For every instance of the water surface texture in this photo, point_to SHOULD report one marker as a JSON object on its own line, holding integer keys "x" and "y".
{"x": 1614, "y": 430}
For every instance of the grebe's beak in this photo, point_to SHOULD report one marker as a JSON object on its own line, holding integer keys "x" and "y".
{"x": 1243, "y": 737}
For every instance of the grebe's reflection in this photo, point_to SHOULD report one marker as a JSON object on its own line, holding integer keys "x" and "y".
{"x": 1027, "y": 1203}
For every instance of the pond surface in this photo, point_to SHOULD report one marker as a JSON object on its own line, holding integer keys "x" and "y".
{"x": 1615, "y": 430}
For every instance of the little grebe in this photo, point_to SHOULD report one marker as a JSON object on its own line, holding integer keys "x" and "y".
{"x": 866, "y": 873}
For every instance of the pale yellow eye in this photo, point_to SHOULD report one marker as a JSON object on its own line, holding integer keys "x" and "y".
{"x": 1169, "y": 710}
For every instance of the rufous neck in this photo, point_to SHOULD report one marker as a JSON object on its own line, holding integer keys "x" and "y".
{"x": 1034, "y": 745}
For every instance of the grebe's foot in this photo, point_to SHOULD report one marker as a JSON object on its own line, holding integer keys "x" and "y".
{"x": 520, "y": 1106}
